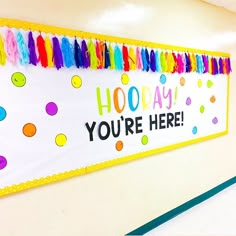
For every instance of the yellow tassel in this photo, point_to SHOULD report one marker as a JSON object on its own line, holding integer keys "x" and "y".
{"x": 166, "y": 62}
{"x": 193, "y": 62}
{"x": 132, "y": 59}
{"x": 112, "y": 58}
{"x": 49, "y": 51}
{"x": 2, "y": 52}
{"x": 171, "y": 62}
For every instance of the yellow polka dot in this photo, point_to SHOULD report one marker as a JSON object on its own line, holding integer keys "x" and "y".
{"x": 199, "y": 83}
{"x": 125, "y": 79}
{"x": 76, "y": 81}
{"x": 60, "y": 140}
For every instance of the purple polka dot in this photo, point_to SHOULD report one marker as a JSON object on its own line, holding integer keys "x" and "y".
{"x": 3, "y": 162}
{"x": 51, "y": 108}
{"x": 188, "y": 101}
{"x": 215, "y": 120}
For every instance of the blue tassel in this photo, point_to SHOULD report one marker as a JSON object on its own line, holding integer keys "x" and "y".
{"x": 107, "y": 57}
{"x": 152, "y": 61}
{"x": 144, "y": 60}
{"x": 67, "y": 52}
{"x": 77, "y": 55}
{"x": 158, "y": 68}
{"x": 147, "y": 59}
{"x": 198, "y": 64}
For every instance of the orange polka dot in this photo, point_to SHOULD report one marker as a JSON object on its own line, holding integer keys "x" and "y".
{"x": 119, "y": 145}
{"x": 213, "y": 99}
{"x": 182, "y": 81}
{"x": 29, "y": 130}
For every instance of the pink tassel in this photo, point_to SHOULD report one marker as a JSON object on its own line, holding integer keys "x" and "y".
{"x": 11, "y": 47}
{"x": 138, "y": 59}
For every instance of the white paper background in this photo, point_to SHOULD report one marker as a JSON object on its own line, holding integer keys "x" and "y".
{"x": 39, "y": 156}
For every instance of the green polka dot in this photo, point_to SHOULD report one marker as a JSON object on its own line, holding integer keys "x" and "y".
{"x": 18, "y": 79}
{"x": 144, "y": 139}
{"x": 209, "y": 83}
{"x": 202, "y": 109}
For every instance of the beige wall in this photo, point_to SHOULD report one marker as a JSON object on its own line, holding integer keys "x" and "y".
{"x": 114, "y": 201}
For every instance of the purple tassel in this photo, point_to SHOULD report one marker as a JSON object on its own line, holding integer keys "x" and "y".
{"x": 216, "y": 67}
{"x": 229, "y": 65}
{"x": 152, "y": 61}
{"x": 32, "y": 52}
{"x": 221, "y": 70}
{"x": 57, "y": 54}
{"x": 205, "y": 63}
{"x": 85, "y": 54}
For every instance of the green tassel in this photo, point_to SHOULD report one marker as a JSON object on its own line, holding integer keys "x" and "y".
{"x": 92, "y": 54}
{"x": 112, "y": 59}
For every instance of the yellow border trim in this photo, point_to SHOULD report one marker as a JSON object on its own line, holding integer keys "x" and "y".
{"x": 19, "y": 24}
{"x": 85, "y": 170}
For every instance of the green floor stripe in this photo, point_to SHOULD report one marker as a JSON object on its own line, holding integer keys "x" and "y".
{"x": 182, "y": 208}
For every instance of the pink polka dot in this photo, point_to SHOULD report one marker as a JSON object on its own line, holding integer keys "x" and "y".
{"x": 3, "y": 162}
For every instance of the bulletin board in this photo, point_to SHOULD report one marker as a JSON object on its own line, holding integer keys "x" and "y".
{"x": 73, "y": 102}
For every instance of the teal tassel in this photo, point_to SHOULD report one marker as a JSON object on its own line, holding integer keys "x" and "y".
{"x": 23, "y": 49}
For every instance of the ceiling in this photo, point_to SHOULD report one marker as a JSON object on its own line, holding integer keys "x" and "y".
{"x": 227, "y": 4}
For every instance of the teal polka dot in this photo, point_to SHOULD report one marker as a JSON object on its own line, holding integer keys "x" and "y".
{"x": 194, "y": 130}
{"x": 3, "y": 113}
{"x": 163, "y": 79}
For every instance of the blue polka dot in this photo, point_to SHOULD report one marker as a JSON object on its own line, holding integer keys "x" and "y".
{"x": 3, "y": 113}
{"x": 194, "y": 131}
{"x": 163, "y": 79}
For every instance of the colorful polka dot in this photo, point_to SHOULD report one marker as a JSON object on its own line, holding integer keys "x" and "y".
{"x": 60, "y": 140}
{"x": 3, "y": 162}
{"x": 51, "y": 108}
{"x": 215, "y": 120}
{"x": 209, "y": 83}
{"x": 202, "y": 109}
{"x": 212, "y": 99}
{"x": 18, "y": 79}
{"x": 163, "y": 79}
{"x": 119, "y": 145}
{"x": 29, "y": 130}
{"x": 76, "y": 81}
{"x": 194, "y": 130}
{"x": 199, "y": 83}
{"x": 182, "y": 81}
{"x": 144, "y": 140}
{"x": 3, "y": 114}
{"x": 125, "y": 79}
{"x": 188, "y": 101}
